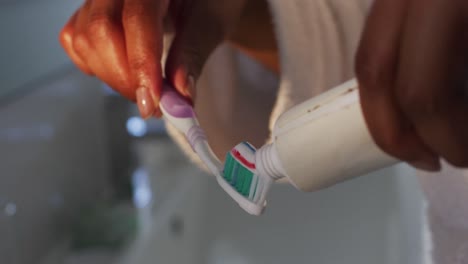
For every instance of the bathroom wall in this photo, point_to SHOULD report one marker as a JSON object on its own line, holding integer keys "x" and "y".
{"x": 53, "y": 162}
{"x": 29, "y": 32}
{"x": 52, "y": 139}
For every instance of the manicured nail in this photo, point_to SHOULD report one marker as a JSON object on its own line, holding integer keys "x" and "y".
{"x": 431, "y": 166}
{"x": 144, "y": 102}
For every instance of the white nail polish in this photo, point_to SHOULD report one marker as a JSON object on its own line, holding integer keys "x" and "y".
{"x": 144, "y": 102}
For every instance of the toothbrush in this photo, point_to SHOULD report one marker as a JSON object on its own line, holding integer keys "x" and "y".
{"x": 327, "y": 131}
{"x": 242, "y": 180}
{"x": 238, "y": 177}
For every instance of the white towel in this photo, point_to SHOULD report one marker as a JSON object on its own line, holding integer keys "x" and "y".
{"x": 447, "y": 196}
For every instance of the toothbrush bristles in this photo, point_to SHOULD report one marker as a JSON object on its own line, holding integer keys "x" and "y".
{"x": 237, "y": 173}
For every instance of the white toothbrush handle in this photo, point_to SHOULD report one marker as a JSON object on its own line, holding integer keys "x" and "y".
{"x": 181, "y": 115}
{"x": 197, "y": 139}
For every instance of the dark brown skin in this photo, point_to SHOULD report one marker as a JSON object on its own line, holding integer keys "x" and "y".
{"x": 411, "y": 63}
{"x": 411, "y": 66}
{"x": 254, "y": 34}
{"x": 120, "y": 41}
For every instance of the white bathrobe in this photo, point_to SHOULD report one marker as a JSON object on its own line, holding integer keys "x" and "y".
{"x": 317, "y": 41}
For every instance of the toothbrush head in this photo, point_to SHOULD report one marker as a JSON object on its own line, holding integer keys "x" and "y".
{"x": 241, "y": 180}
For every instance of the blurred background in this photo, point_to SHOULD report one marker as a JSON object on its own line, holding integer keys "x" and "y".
{"x": 84, "y": 180}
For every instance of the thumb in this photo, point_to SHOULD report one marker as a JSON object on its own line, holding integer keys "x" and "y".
{"x": 196, "y": 39}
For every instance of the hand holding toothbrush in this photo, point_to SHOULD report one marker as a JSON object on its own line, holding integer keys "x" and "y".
{"x": 120, "y": 41}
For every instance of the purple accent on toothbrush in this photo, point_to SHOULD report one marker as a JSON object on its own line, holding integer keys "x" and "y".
{"x": 175, "y": 104}
{"x": 194, "y": 134}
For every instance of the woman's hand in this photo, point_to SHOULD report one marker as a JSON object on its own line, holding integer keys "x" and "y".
{"x": 412, "y": 69}
{"x": 120, "y": 42}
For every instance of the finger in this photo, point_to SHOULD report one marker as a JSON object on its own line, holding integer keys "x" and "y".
{"x": 199, "y": 31}
{"x": 105, "y": 32}
{"x": 376, "y": 63}
{"x": 142, "y": 23}
{"x": 66, "y": 40}
{"x": 81, "y": 45}
{"x": 432, "y": 75}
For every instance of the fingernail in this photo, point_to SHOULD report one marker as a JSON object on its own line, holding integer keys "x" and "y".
{"x": 144, "y": 102}
{"x": 426, "y": 165}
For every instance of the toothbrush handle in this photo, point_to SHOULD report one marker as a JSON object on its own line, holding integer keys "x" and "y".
{"x": 180, "y": 114}
{"x": 177, "y": 110}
